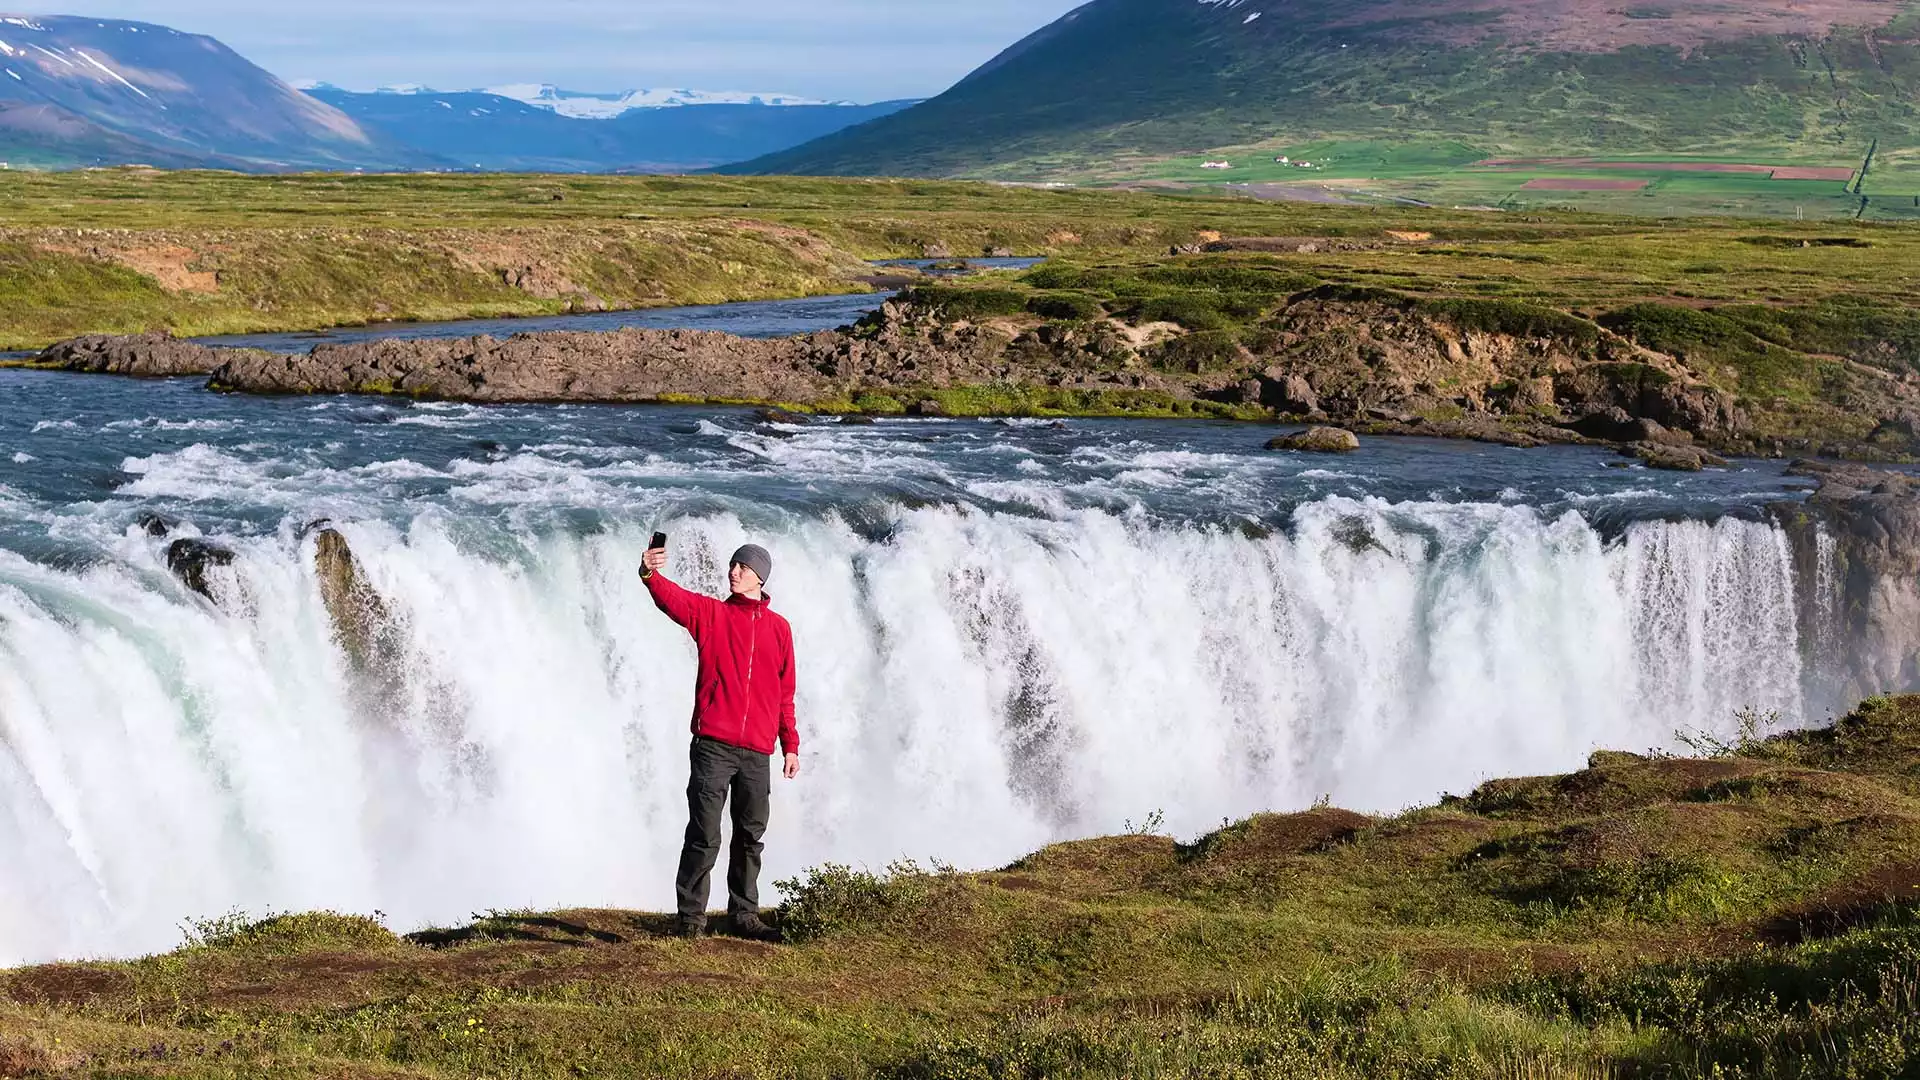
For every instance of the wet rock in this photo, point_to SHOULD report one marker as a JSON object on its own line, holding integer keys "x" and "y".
{"x": 1673, "y": 458}
{"x": 926, "y": 407}
{"x": 781, "y": 416}
{"x": 1870, "y": 520}
{"x": 361, "y": 624}
{"x": 998, "y": 253}
{"x": 1322, "y": 440}
{"x": 857, "y": 420}
{"x": 156, "y": 525}
{"x": 190, "y": 560}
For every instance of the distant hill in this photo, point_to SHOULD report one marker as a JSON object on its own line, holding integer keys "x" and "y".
{"x": 1556, "y": 76}
{"x": 81, "y": 91}
{"x": 492, "y": 132}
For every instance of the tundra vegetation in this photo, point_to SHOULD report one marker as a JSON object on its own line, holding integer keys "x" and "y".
{"x": 1753, "y": 911}
{"x": 131, "y": 250}
{"x": 1784, "y": 336}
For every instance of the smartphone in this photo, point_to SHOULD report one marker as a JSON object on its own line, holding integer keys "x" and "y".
{"x": 659, "y": 542}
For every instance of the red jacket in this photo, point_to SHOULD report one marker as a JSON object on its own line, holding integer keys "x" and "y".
{"x": 743, "y": 695}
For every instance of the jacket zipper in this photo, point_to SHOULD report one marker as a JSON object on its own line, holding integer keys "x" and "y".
{"x": 753, "y": 646}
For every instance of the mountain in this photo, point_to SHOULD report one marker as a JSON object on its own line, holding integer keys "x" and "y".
{"x": 592, "y": 106}
{"x": 1548, "y": 76}
{"x": 495, "y": 132}
{"x": 82, "y": 91}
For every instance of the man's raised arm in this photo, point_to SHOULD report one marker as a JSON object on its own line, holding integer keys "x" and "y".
{"x": 686, "y": 608}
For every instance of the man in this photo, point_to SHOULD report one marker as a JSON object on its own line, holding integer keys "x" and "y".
{"x": 743, "y": 699}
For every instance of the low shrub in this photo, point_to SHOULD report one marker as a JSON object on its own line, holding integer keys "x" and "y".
{"x": 1066, "y": 306}
{"x": 961, "y": 302}
{"x": 283, "y": 934}
{"x": 834, "y": 899}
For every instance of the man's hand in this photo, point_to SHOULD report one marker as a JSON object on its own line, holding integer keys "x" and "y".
{"x": 793, "y": 766}
{"x": 654, "y": 561}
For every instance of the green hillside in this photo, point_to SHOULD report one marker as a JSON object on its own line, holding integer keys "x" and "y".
{"x": 1131, "y": 79}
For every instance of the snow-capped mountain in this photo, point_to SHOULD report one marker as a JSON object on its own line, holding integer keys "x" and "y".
{"x": 592, "y": 106}
{"x": 589, "y": 105}
{"x": 84, "y": 91}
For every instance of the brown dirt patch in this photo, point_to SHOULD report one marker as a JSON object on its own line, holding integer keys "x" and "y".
{"x": 1475, "y": 963}
{"x": 20, "y": 1057}
{"x": 1851, "y": 904}
{"x": 1841, "y": 175}
{"x": 64, "y": 985}
{"x": 168, "y": 264}
{"x": 1567, "y": 183}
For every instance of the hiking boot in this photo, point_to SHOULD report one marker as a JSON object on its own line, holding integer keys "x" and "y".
{"x": 748, "y": 924}
{"x": 690, "y": 926}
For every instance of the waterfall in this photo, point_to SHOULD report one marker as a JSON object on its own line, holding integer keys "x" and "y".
{"x": 973, "y": 685}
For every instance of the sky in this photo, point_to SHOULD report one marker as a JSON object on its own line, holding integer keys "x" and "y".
{"x": 859, "y": 50}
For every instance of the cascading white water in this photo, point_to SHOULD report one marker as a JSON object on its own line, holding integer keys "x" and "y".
{"x": 972, "y": 685}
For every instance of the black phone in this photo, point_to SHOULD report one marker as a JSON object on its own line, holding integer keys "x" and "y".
{"x": 659, "y": 542}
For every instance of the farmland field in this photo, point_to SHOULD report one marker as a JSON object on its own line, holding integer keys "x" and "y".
{"x": 1456, "y": 175}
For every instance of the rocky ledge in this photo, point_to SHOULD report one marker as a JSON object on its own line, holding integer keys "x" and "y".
{"x": 1857, "y": 542}
{"x": 1365, "y": 361}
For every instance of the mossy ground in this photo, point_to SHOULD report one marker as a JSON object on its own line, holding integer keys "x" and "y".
{"x": 204, "y": 253}
{"x": 1806, "y": 356}
{"x": 1755, "y": 913}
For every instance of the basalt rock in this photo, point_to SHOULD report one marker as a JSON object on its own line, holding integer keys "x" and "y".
{"x": 1321, "y": 440}
{"x": 191, "y": 560}
{"x": 361, "y": 625}
{"x": 1856, "y": 542}
{"x": 156, "y": 355}
{"x": 1673, "y": 458}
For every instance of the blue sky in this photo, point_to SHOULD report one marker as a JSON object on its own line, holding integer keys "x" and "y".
{"x": 865, "y": 50}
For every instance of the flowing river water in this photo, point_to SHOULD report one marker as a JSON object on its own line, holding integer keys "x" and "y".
{"x": 1009, "y": 633}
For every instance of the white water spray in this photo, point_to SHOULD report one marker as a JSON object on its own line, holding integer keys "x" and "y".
{"x": 972, "y": 686}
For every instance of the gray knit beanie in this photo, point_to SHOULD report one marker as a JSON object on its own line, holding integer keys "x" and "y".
{"x": 755, "y": 558}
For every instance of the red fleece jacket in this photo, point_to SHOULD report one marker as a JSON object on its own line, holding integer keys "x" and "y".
{"x": 743, "y": 695}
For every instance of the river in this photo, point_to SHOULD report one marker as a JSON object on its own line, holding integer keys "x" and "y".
{"x": 1010, "y": 633}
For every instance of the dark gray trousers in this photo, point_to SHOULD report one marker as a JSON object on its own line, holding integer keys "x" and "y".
{"x": 720, "y": 770}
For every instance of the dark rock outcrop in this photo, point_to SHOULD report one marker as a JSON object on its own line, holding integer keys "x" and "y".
{"x": 191, "y": 560}
{"x": 361, "y": 625}
{"x": 1675, "y": 458}
{"x": 896, "y": 348}
{"x": 1865, "y": 628}
{"x": 156, "y": 355}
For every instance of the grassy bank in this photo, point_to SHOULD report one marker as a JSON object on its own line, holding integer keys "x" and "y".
{"x": 1747, "y": 913}
{"x": 201, "y": 253}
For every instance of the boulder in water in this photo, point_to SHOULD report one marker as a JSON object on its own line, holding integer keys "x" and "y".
{"x": 781, "y": 416}
{"x": 156, "y": 525}
{"x": 1319, "y": 440}
{"x": 190, "y": 559}
{"x": 1674, "y": 458}
{"x": 360, "y": 620}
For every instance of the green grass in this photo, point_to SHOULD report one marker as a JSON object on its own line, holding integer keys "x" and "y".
{"x": 1749, "y": 914}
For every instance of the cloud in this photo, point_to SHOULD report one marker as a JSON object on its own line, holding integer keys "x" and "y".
{"x": 857, "y": 49}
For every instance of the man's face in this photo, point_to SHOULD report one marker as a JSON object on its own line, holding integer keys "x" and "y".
{"x": 742, "y": 580}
